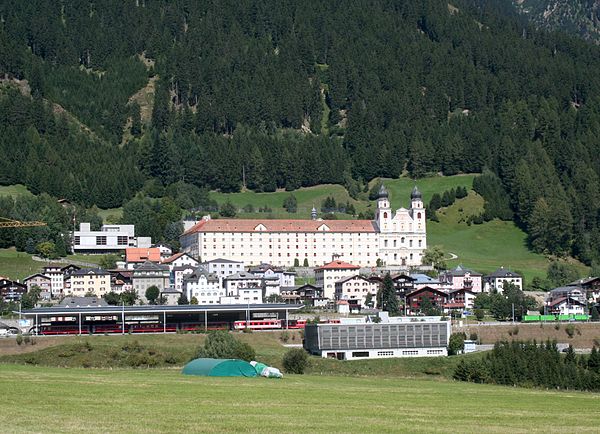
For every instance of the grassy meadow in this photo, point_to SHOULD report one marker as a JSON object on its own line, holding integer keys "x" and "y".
{"x": 59, "y": 400}
{"x": 18, "y": 265}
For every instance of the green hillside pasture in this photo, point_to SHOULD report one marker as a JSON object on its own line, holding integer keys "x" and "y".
{"x": 483, "y": 247}
{"x": 14, "y": 190}
{"x": 59, "y": 400}
{"x": 17, "y": 265}
{"x": 401, "y": 188}
{"x": 306, "y": 197}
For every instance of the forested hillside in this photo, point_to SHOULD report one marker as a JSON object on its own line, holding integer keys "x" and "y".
{"x": 579, "y": 17}
{"x": 265, "y": 95}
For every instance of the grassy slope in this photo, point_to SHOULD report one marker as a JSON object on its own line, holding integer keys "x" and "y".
{"x": 14, "y": 190}
{"x": 487, "y": 246}
{"x": 65, "y": 400}
{"x": 399, "y": 190}
{"x": 18, "y": 265}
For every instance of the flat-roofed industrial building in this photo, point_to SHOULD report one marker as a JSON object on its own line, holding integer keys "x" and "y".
{"x": 399, "y": 337}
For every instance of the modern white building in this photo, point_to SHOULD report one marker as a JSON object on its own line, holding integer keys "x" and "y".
{"x": 110, "y": 238}
{"x": 393, "y": 238}
{"x": 393, "y": 337}
{"x": 244, "y": 287}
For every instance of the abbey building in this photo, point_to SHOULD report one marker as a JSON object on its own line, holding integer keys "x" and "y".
{"x": 395, "y": 237}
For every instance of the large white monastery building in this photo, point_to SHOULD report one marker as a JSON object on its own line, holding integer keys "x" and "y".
{"x": 397, "y": 238}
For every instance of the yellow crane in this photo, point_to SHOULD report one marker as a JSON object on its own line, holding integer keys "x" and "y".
{"x": 10, "y": 223}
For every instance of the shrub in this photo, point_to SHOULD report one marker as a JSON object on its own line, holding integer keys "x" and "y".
{"x": 222, "y": 345}
{"x": 570, "y": 330}
{"x": 295, "y": 361}
{"x": 285, "y": 336}
{"x": 473, "y": 336}
{"x": 26, "y": 339}
{"x": 19, "y": 339}
{"x": 479, "y": 314}
{"x": 514, "y": 331}
{"x": 456, "y": 343}
{"x": 247, "y": 330}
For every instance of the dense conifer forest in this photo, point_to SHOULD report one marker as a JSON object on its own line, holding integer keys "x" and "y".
{"x": 266, "y": 95}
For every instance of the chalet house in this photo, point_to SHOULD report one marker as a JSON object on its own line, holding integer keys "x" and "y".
{"x": 308, "y": 294}
{"x": 462, "y": 278}
{"x": 462, "y": 299}
{"x": 566, "y": 306}
{"x": 591, "y": 287}
{"x": 573, "y": 292}
{"x": 415, "y": 299}
{"x": 11, "y": 291}
{"x": 495, "y": 281}
{"x": 41, "y": 281}
{"x": 355, "y": 290}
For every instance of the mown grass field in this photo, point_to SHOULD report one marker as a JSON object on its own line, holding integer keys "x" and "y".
{"x": 59, "y": 400}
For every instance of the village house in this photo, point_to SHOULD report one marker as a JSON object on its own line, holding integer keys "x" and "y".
{"x": 495, "y": 281}
{"x": 326, "y": 275}
{"x": 355, "y": 290}
{"x": 96, "y": 282}
{"x": 414, "y": 300}
{"x": 462, "y": 278}
{"x": 149, "y": 274}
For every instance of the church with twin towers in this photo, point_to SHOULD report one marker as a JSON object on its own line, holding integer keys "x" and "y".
{"x": 393, "y": 238}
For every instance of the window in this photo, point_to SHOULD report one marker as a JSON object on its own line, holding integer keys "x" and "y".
{"x": 409, "y": 243}
{"x": 385, "y": 243}
{"x": 122, "y": 240}
{"x": 101, "y": 240}
{"x": 77, "y": 240}
{"x": 420, "y": 243}
{"x": 360, "y": 354}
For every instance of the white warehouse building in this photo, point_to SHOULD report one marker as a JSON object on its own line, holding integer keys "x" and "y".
{"x": 397, "y": 238}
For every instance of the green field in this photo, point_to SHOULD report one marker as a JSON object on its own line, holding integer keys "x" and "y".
{"x": 14, "y": 190}
{"x": 488, "y": 246}
{"x": 308, "y": 197}
{"x": 59, "y": 400}
{"x": 18, "y": 265}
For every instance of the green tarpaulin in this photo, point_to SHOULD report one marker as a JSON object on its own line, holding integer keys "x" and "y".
{"x": 219, "y": 368}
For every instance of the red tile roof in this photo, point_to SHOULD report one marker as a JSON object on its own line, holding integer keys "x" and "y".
{"x": 172, "y": 258}
{"x": 338, "y": 265}
{"x": 138, "y": 254}
{"x": 250, "y": 225}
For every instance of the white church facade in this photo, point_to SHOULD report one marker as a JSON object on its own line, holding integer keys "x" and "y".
{"x": 396, "y": 238}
